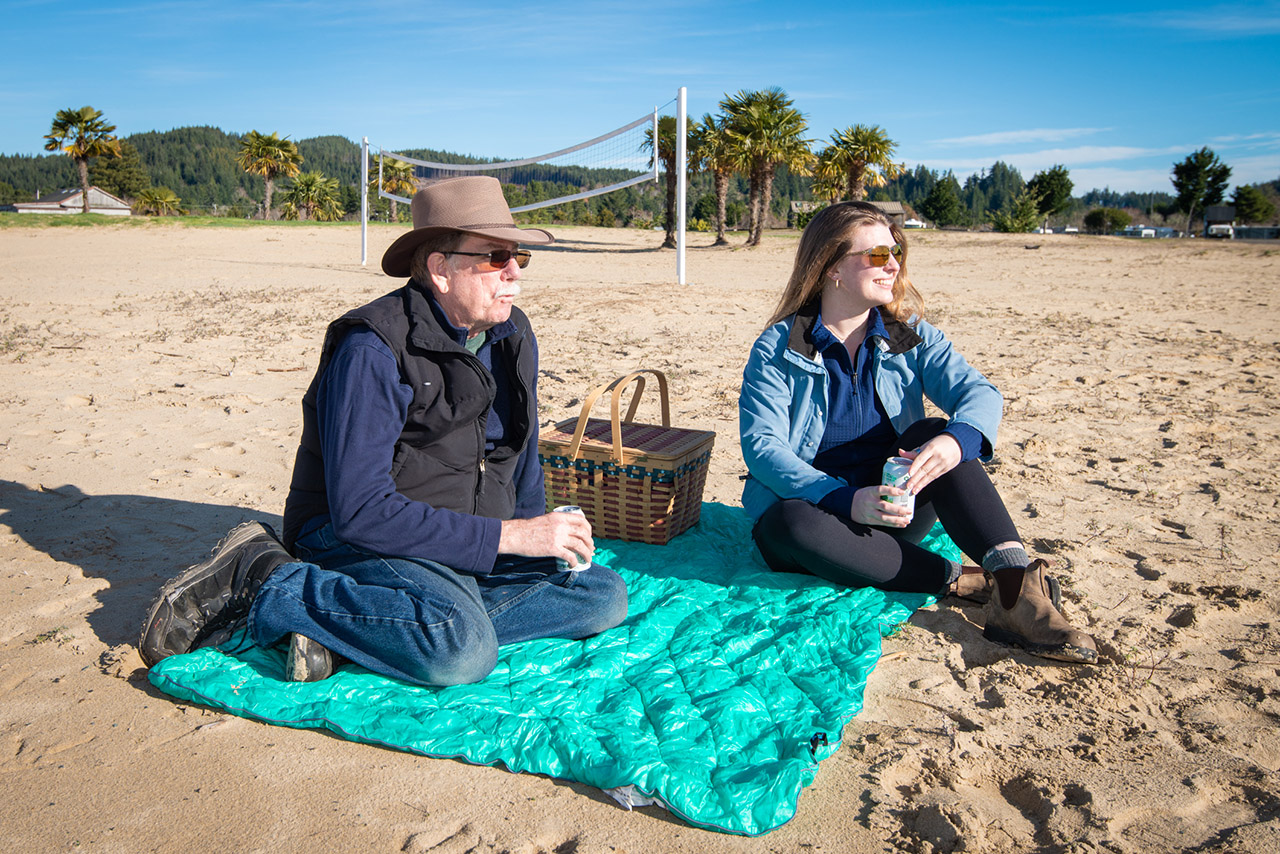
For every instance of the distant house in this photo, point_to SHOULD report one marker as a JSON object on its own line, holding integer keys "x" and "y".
{"x": 70, "y": 202}
{"x": 894, "y": 211}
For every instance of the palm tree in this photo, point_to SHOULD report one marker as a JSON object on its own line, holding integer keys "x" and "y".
{"x": 713, "y": 151}
{"x": 766, "y": 132}
{"x": 271, "y": 157}
{"x": 858, "y": 157}
{"x": 312, "y": 196}
{"x": 667, "y": 156}
{"x": 160, "y": 201}
{"x": 83, "y": 134}
{"x": 397, "y": 177}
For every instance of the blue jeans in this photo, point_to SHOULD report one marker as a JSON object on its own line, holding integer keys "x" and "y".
{"x": 422, "y": 622}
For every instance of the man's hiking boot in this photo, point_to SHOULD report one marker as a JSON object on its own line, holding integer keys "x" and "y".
{"x": 308, "y": 661}
{"x": 1035, "y": 624}
{"x": 975, "y": 585}
{"x": 193, "y": 606}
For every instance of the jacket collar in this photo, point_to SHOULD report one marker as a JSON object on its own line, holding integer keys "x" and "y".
{"x": 801, "y": 339}
{"x": 901, "y": 337}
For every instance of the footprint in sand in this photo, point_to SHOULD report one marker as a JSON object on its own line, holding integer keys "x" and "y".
{"x": 218, "y": 472}
{"x": 457, "y": 838}
{"x": 231, "y": 448}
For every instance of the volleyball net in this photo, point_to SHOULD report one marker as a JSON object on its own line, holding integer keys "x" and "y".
{"x": 611, "y": 162}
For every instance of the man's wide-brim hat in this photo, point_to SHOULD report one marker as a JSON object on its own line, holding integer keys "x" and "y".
{"x": 472, "y": 204}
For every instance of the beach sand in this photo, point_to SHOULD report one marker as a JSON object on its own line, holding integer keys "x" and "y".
{"x": 151, "y": 379}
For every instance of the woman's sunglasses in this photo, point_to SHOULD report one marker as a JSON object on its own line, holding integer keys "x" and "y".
{"x": 879, "y": 255}
{"x": 499, "y": 258}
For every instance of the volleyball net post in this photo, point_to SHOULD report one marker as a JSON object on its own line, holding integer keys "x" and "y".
{"x": 607, "y": 163}
{"x": 364, "y": 200}
{"x": 682, "y": 174}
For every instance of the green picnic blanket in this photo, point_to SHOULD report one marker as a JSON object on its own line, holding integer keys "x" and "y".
{"x": 717, "y": 697}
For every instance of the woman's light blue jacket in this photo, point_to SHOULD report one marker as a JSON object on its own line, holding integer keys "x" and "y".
{"x": 782, "y": 408}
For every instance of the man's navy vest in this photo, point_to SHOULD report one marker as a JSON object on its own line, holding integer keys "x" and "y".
{"x": 440, "y": 457}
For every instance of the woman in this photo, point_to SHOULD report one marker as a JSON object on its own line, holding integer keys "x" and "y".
{"x": 834, "y": 386}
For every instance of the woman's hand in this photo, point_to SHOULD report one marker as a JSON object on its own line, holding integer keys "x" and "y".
{"x": 931, "y": 461}
{"x": 870, "y": 508}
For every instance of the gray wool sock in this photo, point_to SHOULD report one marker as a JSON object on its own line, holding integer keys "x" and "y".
{"x": 953, "y": 573}
{"x": 1012, "y": 557}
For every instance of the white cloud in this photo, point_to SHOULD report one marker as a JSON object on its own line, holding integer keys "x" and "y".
{"x": 1030, "y": 162}
{"x": 1254, "y": 170}
{"x": 1035, "y": 160}
{"x": 1122, "y": 180}
{"x": 1265, "y": 140}
{"x": 1215, "y": 22}
{"x": 1014, "y": 137}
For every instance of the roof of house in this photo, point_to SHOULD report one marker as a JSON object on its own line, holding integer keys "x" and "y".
{"x": 68, "y": 198}
{"x": 55, "y": 198}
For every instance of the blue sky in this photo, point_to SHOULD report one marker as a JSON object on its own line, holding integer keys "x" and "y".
{"x": 1115, "y": 92}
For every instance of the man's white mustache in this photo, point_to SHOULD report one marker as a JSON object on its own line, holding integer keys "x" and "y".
{"x": 513, "y": 291}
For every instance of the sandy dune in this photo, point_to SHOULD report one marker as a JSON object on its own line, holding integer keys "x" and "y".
{"x": 151, "y": 379}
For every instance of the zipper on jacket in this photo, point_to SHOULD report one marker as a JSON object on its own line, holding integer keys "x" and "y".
{"x": 482, "y": 424}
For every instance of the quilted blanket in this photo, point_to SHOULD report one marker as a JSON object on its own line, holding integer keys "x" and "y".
{"x": 716, "y": 697}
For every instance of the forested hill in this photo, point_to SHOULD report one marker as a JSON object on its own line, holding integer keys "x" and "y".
{"x": 197, "y": 163}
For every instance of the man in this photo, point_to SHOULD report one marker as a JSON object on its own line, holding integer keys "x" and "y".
{"x": 416, "y": 511}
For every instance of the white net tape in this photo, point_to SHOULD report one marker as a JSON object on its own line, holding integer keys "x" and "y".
{"x": 607, "y": 163}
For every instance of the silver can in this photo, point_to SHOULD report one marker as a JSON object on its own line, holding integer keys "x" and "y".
{"x": 564, "y": 565}
{"x": 895, "y": 474}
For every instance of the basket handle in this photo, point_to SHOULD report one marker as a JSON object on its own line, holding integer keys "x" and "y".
{"x": 617, "y": 387}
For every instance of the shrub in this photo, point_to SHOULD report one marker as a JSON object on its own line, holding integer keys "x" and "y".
{"x": 1106, "y": 220}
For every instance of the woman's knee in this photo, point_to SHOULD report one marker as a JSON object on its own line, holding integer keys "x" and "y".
{"x": 786, "y": 521}
{"x": 785, "y": 534}
{"x": 920, "y": 432}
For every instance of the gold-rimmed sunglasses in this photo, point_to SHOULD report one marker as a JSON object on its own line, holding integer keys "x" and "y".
{"x": 879, "y": 255}
{"x": 499, "y": 258}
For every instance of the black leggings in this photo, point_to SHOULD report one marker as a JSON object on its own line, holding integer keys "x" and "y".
{"x": 796, "y": 536}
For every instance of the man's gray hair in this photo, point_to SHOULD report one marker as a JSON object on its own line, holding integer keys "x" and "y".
{"x": 446, "y": 242}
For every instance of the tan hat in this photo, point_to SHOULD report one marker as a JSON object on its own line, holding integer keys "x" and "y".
{"x": 472, "y": 204}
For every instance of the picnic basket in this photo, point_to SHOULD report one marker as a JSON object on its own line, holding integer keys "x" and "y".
{"x": 637, "y": 482}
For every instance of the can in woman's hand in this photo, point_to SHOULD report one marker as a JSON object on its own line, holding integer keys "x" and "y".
{"x": 895, "y": 474}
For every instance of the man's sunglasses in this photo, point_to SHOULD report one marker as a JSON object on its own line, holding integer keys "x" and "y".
{"x": 499, "y": 258}
{"x": 879, "y": 255}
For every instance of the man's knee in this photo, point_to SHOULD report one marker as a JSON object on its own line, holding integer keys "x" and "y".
{"x": 463, "y": 651}
{"x": 609, "y": 595}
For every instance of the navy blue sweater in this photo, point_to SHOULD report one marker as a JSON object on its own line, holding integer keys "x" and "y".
{"x": 859, "y": 436}
{"x": 361, "y": 409}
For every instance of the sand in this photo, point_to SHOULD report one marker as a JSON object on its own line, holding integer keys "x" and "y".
{"x": 151, "y": 379}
